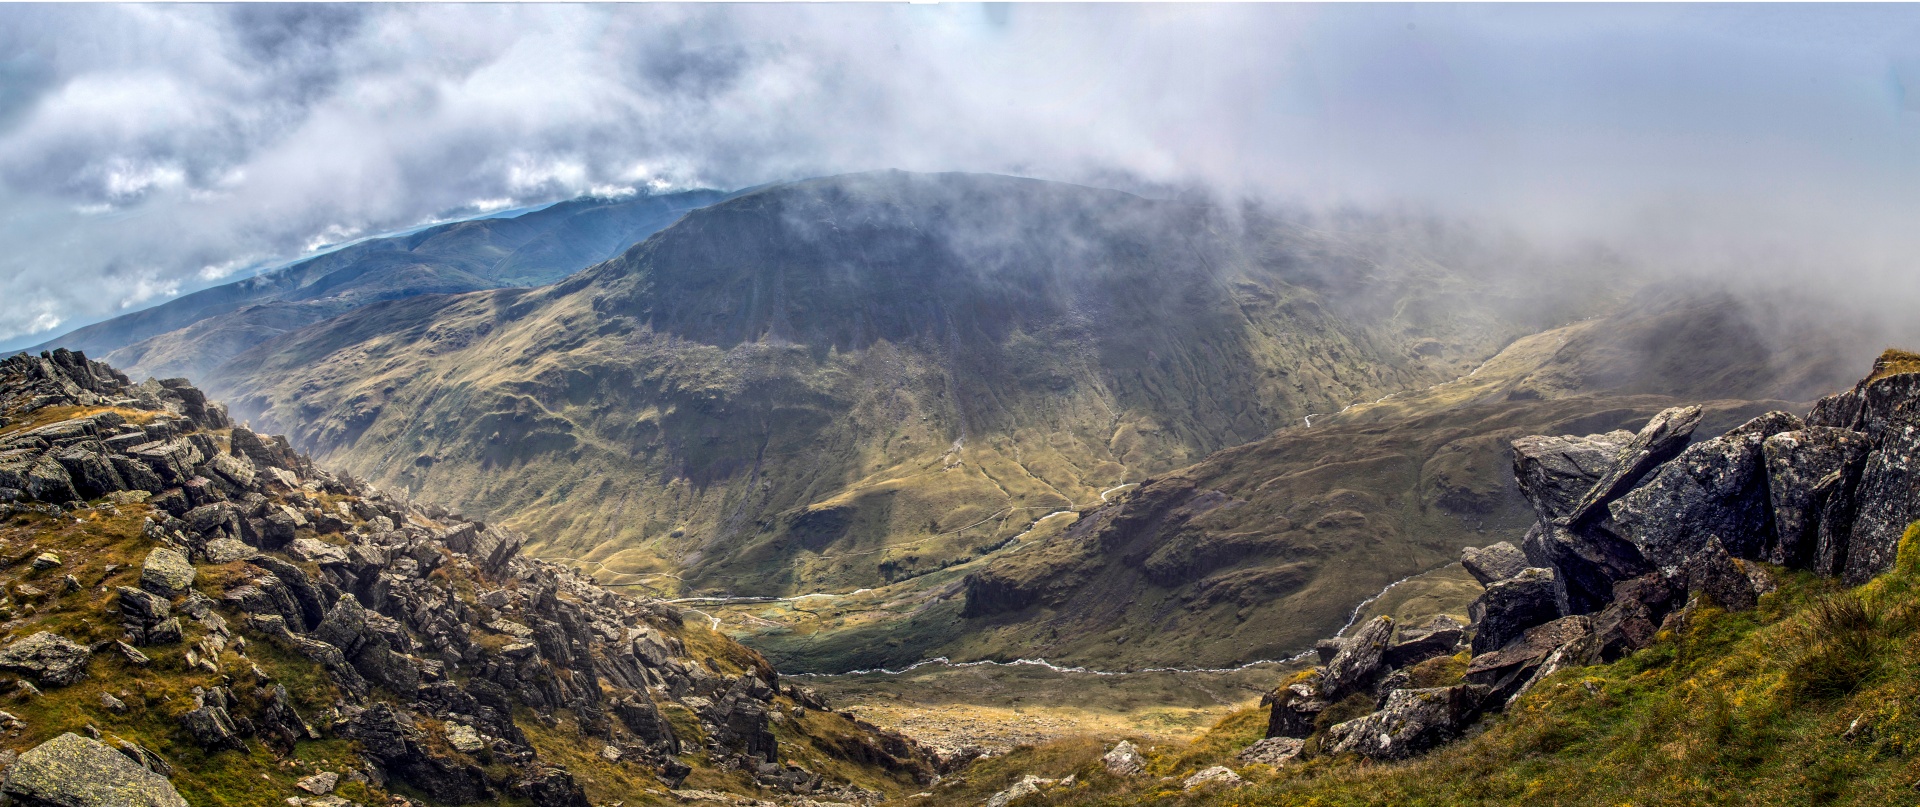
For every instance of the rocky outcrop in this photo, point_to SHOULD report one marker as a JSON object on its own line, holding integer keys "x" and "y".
{"x": 73, "y": 771}
{"x": 429, "y": 631}
{"x": 1717, "y": 487}
{"x": 1630, "y": 530}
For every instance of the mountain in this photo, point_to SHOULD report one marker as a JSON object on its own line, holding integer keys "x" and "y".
{"x": 187, "y": 336}
{"x": 195, "y": 614}
{"x": 832, "y": 384}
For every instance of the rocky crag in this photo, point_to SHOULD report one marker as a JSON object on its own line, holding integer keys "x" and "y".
{"x": 1635, "y": 532}
{"x": 195, "y": 614}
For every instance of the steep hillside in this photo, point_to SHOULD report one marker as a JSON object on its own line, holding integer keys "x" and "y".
{"x": 195, "y": 615}
{"x": 835, "y": 383}
{"x": 192, "y": 334}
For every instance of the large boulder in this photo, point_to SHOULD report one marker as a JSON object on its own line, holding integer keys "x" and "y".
{"x": 1717, "y": 487}
{"x": 73, "y": 771}
{"x": 167, "y": 573}
{"x": 1509, "y": 607}
{"x": 1412, "y": 721}
{"x": 1554, "y": 472}
{"x": 1660, "y": 440}
{"x": 1796, "y": 463}
{"x": 48, "y": 658}
{"x": 1491, "y": 563}
{"x": 1358, "y": 660}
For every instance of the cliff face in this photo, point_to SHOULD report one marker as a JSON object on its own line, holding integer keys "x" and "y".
{"x": 195, "y": 608}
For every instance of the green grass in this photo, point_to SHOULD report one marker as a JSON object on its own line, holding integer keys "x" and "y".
{"x": 1809, "y": 699}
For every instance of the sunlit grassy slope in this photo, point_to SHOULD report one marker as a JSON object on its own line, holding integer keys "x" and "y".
{"x": 1808, "y": 699}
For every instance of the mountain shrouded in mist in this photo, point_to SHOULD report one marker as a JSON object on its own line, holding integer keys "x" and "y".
{"x": 833, "y": 383}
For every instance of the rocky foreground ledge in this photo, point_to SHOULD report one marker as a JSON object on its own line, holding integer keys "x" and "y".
{"x": 1636, "y": 531}
{"x": 257, "y": 611}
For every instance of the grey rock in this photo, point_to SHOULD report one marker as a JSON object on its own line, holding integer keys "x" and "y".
{"x": 48, "y": 481}
{"x": 1438, "y": 637}
{"x": 1411, "y": 722}
{"x": 91, "y": 472}
{"x": 1885, "y": 501}
{"x": 1509, "y": 607}
{"x": 1275, "y": 751}
{"x": 1796, "y": 463}
{"x": 1124, "y": 760}
{"x": 48, "y": 658}
{"x": 1218, "y": 776}
{"x": 1660, "y": 440}
{"x": 1554, "y": 472}
{"x": 1494, "y": 562}
{"x": 167, "y": 573}
{"x": 227, "y": 550}
{"x": 1717, "y": 487}
{"x": 320, "y": 552}
{"x": 319, "y": 784}
{"x": 1358, "y": 660}
{"x": 73, "y": 771}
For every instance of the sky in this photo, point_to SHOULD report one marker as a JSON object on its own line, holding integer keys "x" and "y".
{"x": 150, "y": 150}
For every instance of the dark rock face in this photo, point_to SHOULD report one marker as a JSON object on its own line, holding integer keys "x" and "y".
{"x": 1797, "y": 462}
{"x": 1411, "y": 722}
{"x": 1718, "y": 487}
{"x": 1509, "y": 607}
{"x": 1886, "y": 500}
{"x": 1633, "y": 619}
{"x": 1492, "y": 563}
{"x": 740, "y": 720}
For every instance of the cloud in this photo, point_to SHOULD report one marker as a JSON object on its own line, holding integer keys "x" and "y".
{"x": 181, "y": 139}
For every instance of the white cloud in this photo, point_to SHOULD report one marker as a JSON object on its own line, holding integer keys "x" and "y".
{"x": 180, "y": 136}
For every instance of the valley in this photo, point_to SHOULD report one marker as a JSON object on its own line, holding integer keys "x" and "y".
{"x": 1001, "y": 465}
